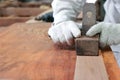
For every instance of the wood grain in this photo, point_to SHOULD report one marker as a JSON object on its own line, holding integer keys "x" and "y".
{"x": 86, "y": 46}
{"x": 112, "y": 67}
{"x": 90, "y": 68}
{"x": 27, "y": 53}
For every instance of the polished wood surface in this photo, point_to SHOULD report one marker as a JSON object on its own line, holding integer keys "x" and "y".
{"x": 27, "y": 53}
{"x": 90, "y": 68}
{"x": 112, "y": 67}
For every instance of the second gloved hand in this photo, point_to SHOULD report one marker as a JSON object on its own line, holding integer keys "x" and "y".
{"x": 65, "y": 32}
{"x": 109, "y": 33}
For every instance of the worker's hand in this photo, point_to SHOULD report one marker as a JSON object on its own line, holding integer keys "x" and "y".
{"x": 65, "y": 32}
{"x": 109, "y": 33}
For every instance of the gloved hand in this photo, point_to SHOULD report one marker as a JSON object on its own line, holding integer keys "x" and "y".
{"x": 65, "y": 32}
{"x": 65, "y": 29}
{"x": 109, "y": 33}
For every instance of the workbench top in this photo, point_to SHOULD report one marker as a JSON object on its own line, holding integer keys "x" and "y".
{"x": 27, "y": 53}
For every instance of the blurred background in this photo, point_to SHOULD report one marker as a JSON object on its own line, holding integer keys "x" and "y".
{"x": 14, "y": 11}
{"x": 34, "y": 11}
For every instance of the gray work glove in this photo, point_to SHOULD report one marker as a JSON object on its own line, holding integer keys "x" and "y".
{"x": 109, "y": 33}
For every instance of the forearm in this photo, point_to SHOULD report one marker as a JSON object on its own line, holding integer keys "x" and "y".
{"x": 64, "y": 10}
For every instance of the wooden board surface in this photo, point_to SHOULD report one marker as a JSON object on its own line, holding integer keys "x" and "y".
{"x": 21, "y": 12}
{"x": 6, "y": 21}
{"x": 111, "y": 65}
{"x": 26, "y": 53}
{"x": 90, "y": 68}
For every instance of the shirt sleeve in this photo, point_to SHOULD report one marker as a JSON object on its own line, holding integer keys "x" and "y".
{"x": 65, "y": 10}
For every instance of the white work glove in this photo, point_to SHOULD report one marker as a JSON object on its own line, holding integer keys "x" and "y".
{"x": 64, "y": 29}
{"x": 109, "y": 33}
{"x": 65, "y": 32}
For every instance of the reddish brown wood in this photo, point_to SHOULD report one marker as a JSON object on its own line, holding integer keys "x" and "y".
{"x": 90, "y": 68}
{"x": 22, "y": 12}
{"x": 6, "y": 21}
{"x": 112, "y": 67}
{"x": 27, "y": 53}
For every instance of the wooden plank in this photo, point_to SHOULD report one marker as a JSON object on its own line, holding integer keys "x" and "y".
{"x": 90, "y": 68}
{"x": 27, "y": 53}
{"x": 6, "y": 21}
{"x": 2, "y": 28}
{"x": 110, "y": 62}
{"x": 37, "y": 4}
{"x": 21, "y": 12}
